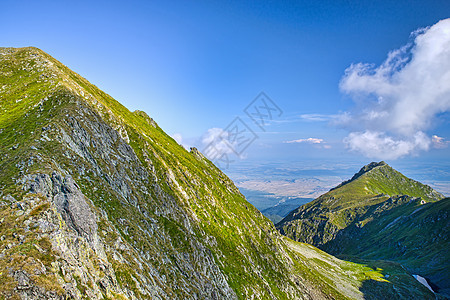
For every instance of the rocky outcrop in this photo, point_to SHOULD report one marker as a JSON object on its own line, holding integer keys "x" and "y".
{"x": 70, "y": 202}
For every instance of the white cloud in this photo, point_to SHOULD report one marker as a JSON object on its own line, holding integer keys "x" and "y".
{"x": 308, "y": 140}
{"x": 316, "y": 117}
{"x": 314, "y": 141}
{"x": 179, "y": 139}
{"x": 399, "y": 100}
{"x": 381, "y": 146}
{"x": 439, "y": 142}
{"x": 215, "y": 143}
{"x": 211, "y": 135}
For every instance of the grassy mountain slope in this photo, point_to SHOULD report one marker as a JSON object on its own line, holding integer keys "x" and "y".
{"x": 379, "y": 214}
{"x": 413, "y": 234}
{"x": 97, "y": 202}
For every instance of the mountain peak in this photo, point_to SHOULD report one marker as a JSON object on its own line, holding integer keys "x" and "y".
{"x": 368, "y": 168}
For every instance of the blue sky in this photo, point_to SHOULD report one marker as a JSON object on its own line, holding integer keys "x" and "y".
{"x": 195, "y": 66}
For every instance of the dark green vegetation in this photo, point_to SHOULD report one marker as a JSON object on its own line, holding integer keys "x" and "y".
{"x": 380, "y": 214}
{"x": 97, "y": 202}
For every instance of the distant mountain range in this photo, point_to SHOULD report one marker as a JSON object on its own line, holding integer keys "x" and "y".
{"x": 280, "y": 210}
{"x": 380, "y": 214}
{"x": 273, "y": 206}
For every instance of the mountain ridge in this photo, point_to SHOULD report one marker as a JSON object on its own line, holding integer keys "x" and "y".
{"x": 362, "y": 171}
{"x": 98, "y": 202}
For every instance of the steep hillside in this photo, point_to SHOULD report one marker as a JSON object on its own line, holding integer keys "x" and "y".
{"x": 97, "y": 202}
{"x": 413, "y": 234}
{"x": 379, "y": 214}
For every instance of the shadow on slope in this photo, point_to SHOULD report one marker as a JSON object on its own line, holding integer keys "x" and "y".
{"x": 398, "y": 283}
{"x": 356, "y": 278}
{"x": 410, "y": 233}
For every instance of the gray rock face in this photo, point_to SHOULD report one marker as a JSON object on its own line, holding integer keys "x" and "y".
{"x": 149, "y": 213}
{"x": 38, "y": 184}
{"x": 27, "y": 290}
{"x": 71, "y": 204}
{"x": 68, "y": 199}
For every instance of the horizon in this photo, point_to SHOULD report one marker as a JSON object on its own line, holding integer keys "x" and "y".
{"x": 343, "y": 77}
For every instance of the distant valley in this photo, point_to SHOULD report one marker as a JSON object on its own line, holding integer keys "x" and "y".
{"x": 277, "y": 196}
{"x": 272, "y": 206}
